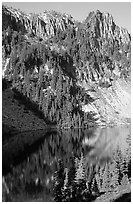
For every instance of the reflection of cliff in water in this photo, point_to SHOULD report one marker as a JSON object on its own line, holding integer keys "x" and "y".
{"x": 74, "y": 165}
{"x": 104, "y": 142}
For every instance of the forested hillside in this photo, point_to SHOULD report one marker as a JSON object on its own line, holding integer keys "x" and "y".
{"x": 71, "y": 71}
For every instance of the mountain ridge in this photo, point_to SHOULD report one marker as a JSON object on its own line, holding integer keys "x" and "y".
{"x": 90, "y": 58}
{"x": 31, "y": 22}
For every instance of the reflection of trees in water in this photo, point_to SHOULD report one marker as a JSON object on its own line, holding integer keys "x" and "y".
{"x": 35, "y": 174}
{"x": 89, "y": 183}
{"x": 59, "y": 167}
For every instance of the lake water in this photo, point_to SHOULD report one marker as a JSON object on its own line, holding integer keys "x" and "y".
{"x": 72, "y": 165}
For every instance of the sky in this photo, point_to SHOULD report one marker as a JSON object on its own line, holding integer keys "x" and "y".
{"x": 121, "y": 11}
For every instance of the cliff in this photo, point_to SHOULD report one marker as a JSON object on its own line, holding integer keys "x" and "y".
{"x": 55, "y": 61}
{"x": 43, "y": 25}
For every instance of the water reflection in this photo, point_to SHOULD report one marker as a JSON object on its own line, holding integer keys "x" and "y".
{"x": 74, "y": 165}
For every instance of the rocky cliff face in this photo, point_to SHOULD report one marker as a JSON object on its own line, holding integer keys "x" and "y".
{"x": 110, "y": 72}
{"x": 103, "y": 26}
{"x": 107, "y": 47}
{"x": 95, "y": 54}
{"x": 42, "y": 25}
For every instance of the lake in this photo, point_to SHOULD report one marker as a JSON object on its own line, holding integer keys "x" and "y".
{"x": 70, "y": 165}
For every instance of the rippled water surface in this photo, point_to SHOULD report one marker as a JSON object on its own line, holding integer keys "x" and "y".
{"x": 72, "y": 165}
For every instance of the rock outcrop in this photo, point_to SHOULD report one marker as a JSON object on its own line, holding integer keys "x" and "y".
{"x": 42, "y": 25}
{"x": 108, "y": 48}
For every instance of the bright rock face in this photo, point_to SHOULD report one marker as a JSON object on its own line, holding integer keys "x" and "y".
{"x": 42, "y": 25}
{"x": 107, "y": 43}
{"x": 103, "y": 25}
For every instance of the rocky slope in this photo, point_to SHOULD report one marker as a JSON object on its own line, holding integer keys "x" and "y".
{"x": 93, "y": 57}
